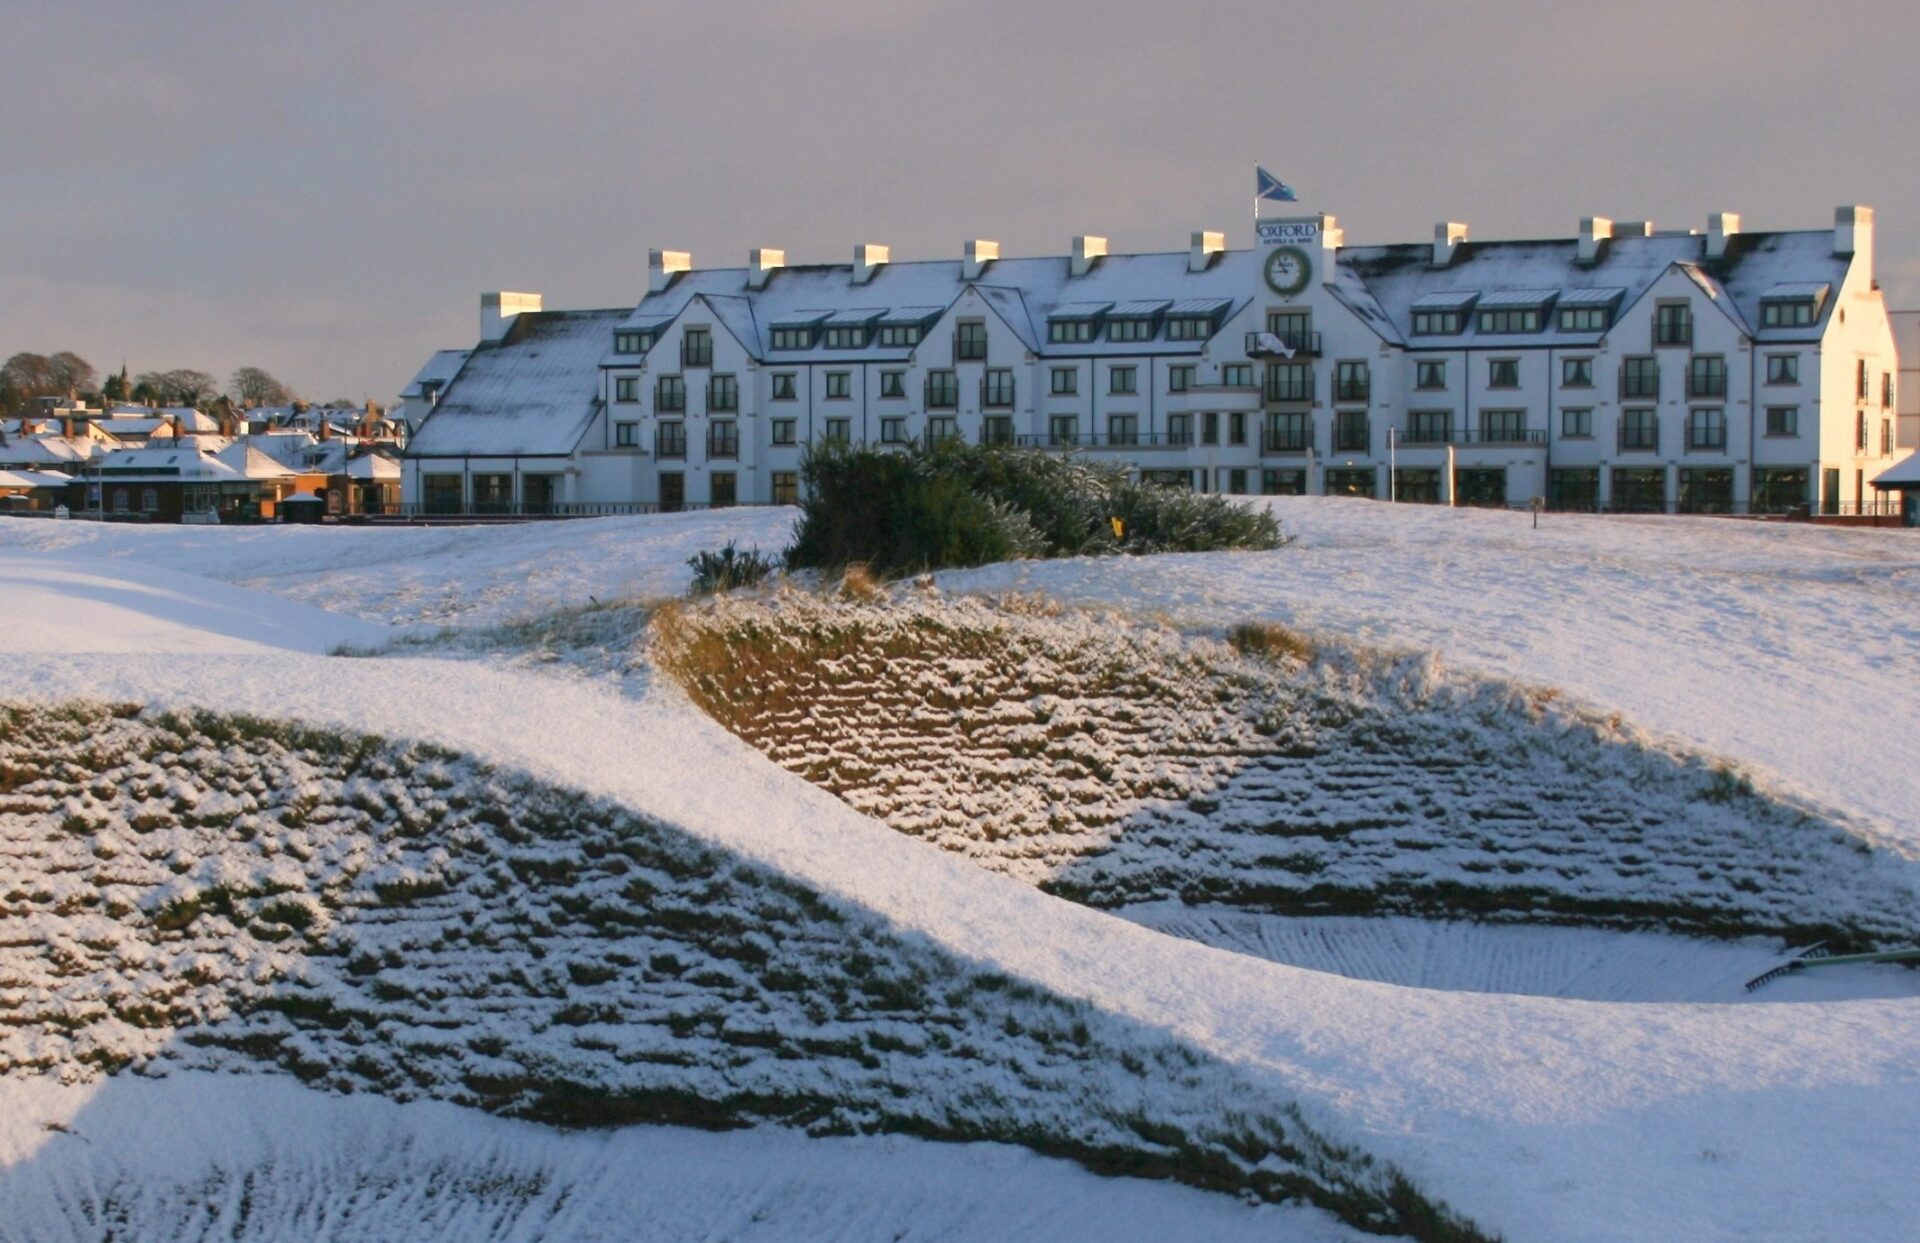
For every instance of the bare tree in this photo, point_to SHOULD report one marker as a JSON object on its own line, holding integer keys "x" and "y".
{"x": 25, "y": 376}
{"x": 253, "y": 386}
{"x": 183, "y": 387}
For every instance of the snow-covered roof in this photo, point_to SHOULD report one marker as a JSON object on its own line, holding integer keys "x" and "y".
{"x": 1597, "y": 295}
{"x": 45, "y": 451}
{"x": 33, "y": 479}
{"x": 1445, "y": 300}
{"x": 1516, "y": 299}
{"x": 1796, "y": 290}
{"x": 1080, "y": 310}
{"x": 178, "y": 464}
{"x": 530, "y": 395}
{"x": 858, "y": 317}
{"x": 249, "y": 463}
{"x": 376, "y": 466}
{"x": 1902, "y": 474}
{"x": 439, "y": 372}
{"x": 1140, "y": 308}
{"x": 1200, "y": 306}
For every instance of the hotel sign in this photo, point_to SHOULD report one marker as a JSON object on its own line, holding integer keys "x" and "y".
{"x": 1303, "y": 233}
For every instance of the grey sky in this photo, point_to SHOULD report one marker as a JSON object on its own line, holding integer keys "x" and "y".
{"x": 324, "y": 189}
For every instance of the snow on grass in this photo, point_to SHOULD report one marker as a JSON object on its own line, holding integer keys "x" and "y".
{"x": 472, "y": 575}
{"x": 204, "y": 890}
{"x": 1789, "y": 647}
{"x": 261, "y": 1159}
{"x": 1116, "y": 762}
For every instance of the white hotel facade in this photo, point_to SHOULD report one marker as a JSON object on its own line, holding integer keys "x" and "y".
{"x": 1622, "y": 369}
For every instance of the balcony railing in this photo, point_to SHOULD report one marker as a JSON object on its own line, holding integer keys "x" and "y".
{"x": 1283, "y": 345}
{"x": 943, "y": 397}
{"x": 1351, "y": 390}
{"x": 969, "y": 349}
{"x": 1287, "y": 442}
{"x": 1639, "y": 441}
{"x": 1106, "y": 440}
{"x": 995, "y": 396}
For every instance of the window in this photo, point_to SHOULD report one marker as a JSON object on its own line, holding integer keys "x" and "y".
{"x": 1787, "y": 313}
{"x": 995, "y": 429}
{"x": 1576, "y": 424}
{"x": 632, "y": 342}
{"x": 1351, "y": 482}
{"x": 1639, "y": 489}
{"x": 1776, "y": 490}
{"x": 1503, "y": 426}
{"x": 786, "y": 487}
{"x": 793, "y": 338}
{"x": 696, "y": 348}
{"x": 1707, "y": 376}
{"x": 1886, "y": 390}
{"x": 1123, "y": 429}
{"x": 1705, "y": 491}
{"x": 1130, "y": 329}
{"x": 1283, "y": 482}
{"x": 626, "y": 388}
{"x": 670, "y": 393}
{"x": 723, "y": 438}
{"x": 1830, "y": 490}
{"x": 1576, "y": 373}
{"x": 1509, "y": 319}
{"x": 1886, "y": 437}
{"x": 1210, "y": 428}
{"x": 1069, "y": 331}
{"x": 149, "y": 500}
{"x": 1168, "y": 478}
{"x": 780, "y": 431}
{"x": 1860, "y": 431}
{"x": 848, "y": 336}
{"x": 997, "y": 388}
{"x": 1585, "y": 318}
{"x": 1179, "y": 429}
{"x": 1065, "y": 381}
{"x": 1639, "y": 429}
{"x": 1289, "y": 433}
{"x": 898, "y": 336}
{"x": 970, "y": 341}
{"x": 783, "y": 389}
{"x": 1063, "y": 429}
{"x": 943, "y": 390}
{"x": 1237, "y": 427}
{"x": 1237, "y": 375}
{"x": 1417, "y": 486}
{"x": 1860, "y": 379}
{"x": 1483, "y": 486}
{"x": 626, "y": 435}
{"x": 1707, "y": 429}
{"x": 1350, "y": 432}
{"x": 1577, "y": 488}
{"x": 1289, "y": 381}
{"x": 1783, "y": 420}
{"x": 1783, "y": 369}
{"x": 1179, "y": 379}
{"x": 1237, "y": 482}
{"x": 723, "y": 393}
{"x": 839, "y": 431}
{"x": 1123, "y": 380}
{"x": 1350, "y": 381}
{"x": 893, "y": 430}
{"x": 670, "y": 440}
{"x": 1673, "y": 324}
{"x": 1293, "y": 328}
{"x": 893, "y": 384}
{"x": 1430, "y": 373}
{"x": 1640, "y": 376}
{"x": 1503, "y": 373}
{"x": 723, "y": 489}
{"x": 1429, "y": 427}
{"x": 442, "y": 494}
{"x": 1189, "y": 328}
{"x": 839, "y": 385}
{"x": 1437, "y": 323}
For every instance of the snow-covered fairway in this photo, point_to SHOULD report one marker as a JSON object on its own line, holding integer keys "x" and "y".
{"x": 1792, "y": 650}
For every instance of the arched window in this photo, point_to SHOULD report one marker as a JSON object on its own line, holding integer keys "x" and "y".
{"x": 119, "y": 500}
{"x": 149, "y": 500}
{"x": 333, "y": 500}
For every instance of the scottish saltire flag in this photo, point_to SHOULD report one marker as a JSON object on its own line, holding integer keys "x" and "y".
{"x": 1268, "y": 186}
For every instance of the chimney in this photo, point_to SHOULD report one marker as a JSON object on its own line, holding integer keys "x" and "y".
{"x": 1447, "y": 236}
{"x": 762, "y": 263}
{"x": 66, "y": 429}
{"x": 1593, "y": 231}
{"x": 499, "y": 310}
{"x": 979, "y": 253}
{"x": 1853, "y": 234}
{"x": 1332, "y": 237}
{"x": 664, "y": 265}
{"x": 868, "y": 259}
{"x": 1203, "y": 248}
{"x": 1721, "y": 225}
{"x": 1087, "y": 250}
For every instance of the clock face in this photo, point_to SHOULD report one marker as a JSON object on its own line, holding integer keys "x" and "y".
{"x": 1288, "y": 270}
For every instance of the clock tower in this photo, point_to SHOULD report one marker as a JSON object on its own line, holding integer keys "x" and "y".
{"x": 1296, "y": 252}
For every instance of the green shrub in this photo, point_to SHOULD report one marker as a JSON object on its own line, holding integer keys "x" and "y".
{"x": 727, "y": 569}
{"x": 956, "y": 504}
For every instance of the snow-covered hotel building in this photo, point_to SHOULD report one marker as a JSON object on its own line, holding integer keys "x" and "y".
{"x": 1625, "y": 368}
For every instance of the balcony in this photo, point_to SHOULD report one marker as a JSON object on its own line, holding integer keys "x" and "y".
{"x": 1283, "y": 345}
{"x": 1469, "y": 436}
{"x": 1106, "y": 440}
{"x": 969, "y": 347}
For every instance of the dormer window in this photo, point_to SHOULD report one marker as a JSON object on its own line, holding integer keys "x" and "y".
{"x": 1787, "y": 314}
{"x": 900, "y": 336}
{"x": 793, "y": 338}
{"x": 1130, "y": 330}
{"x": 847, "y": 337}
{"x": 1585, "y": 318}
{"x": 1069, "y": 331}
{"x": 1135, "y": 321}
{"x": 1437, "y": 323}
{"x": 631, "y": 342}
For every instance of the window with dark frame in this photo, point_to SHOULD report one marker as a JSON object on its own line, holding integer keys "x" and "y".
{"x": 1673, "y": 323}
{"x": 1640, "y": 376}
{"x": 781, "y": 431}
{"x": 1640, "y": 429}
{"x": 1064, "y": 381}
{"x": 1430, "y": 373}
{"x": 1576, "y": 424}
{"x": 1352, "y": 381}
{"x": 839, "y": 385}
{"x": 1783, "y": 369}
{"x": 1707, "y": 428}
{"x": 1503, "y": 373}
{"x": 626, "y": 388}
{"x": 1576, "y": 373}
{"x": 783, "y": 386}
{"x": 1783, "y": 420}
{"x": 670, "y": 393}
{"x": 1124, "y": 381}
{"x": 893, "y": 384}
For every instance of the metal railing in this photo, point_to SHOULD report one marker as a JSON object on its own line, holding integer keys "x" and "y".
{"x": 1106, "y": 440}
{"x": 1265, "y": 344}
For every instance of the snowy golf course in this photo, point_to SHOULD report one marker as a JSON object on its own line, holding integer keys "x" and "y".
{"x": 1545, "y": 1082}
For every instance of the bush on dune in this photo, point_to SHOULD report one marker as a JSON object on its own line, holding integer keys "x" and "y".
{"x": 956, "y": 504}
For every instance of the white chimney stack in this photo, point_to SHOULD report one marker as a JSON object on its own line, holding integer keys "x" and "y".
{"x": 1447, "y": 236}
{"x": 762, "y": 263}
{"x": 1593, "y": 231}
{"x": 868, "y": 258}
{"x": 1332, "y": 237}
{"x": 664, "y": 265}
{"x": 1853, "y": 234}
{"x": 1203, "y": 249}
{"x": 1721, "y": 225}
{"x": 1087, "y": 250}
{"x": 979, "y": 253}
{"x": 499, "y": 310}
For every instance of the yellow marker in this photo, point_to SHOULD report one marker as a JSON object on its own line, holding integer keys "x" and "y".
{"x": 1119, "y": 528}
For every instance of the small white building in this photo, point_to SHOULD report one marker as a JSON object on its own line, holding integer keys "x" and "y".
{"x": 1624, "y": 368}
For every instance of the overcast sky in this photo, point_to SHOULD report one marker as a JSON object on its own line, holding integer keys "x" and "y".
{"x": 324, "y": 189}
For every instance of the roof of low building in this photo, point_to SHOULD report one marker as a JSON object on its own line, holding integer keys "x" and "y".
{"x": 1903, "y": 474}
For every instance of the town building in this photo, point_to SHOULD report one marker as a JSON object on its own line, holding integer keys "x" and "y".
{"x": 1625, "y": 368}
